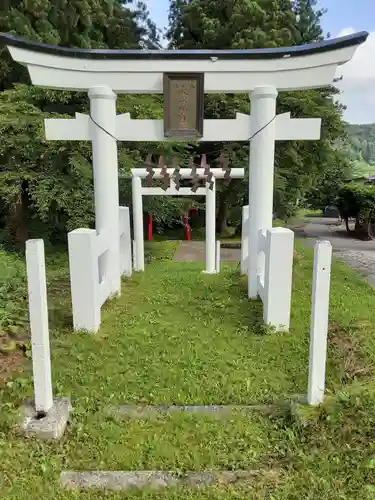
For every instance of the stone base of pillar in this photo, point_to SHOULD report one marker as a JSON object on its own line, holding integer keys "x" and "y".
{"x": 50, "y": 426}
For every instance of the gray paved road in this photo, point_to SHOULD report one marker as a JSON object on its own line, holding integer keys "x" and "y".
{"x": 357, "y": 254}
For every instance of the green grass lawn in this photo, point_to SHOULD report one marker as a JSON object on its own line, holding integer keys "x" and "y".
{"x": 178, "y": 336}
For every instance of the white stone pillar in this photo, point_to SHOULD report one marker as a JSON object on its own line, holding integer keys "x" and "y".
{"x": 139, "y": 254}
{"x": 38, "y": 315}
{"x": 261, "y": 173}
{"x": 211, "y": 227}
{"x": 319, "y": 321}
{"x": 84, "y": 279}
{"x": 278, "y": 278}
{"x": 245, "y": 240}
{"x": 105, "y": 170}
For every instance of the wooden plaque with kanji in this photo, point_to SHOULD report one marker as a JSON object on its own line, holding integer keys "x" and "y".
{"x": 183, "y": 105}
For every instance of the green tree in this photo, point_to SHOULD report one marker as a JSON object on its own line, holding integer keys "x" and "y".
{"x": 327, "y": 187}
{"x": 225, "y": 24}
{"x": 88, "y": 24}
{"x": 46, "y": 187}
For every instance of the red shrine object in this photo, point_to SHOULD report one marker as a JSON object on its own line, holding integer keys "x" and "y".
{"x": 150, "y": 228}
{"x": 187, "y": 227}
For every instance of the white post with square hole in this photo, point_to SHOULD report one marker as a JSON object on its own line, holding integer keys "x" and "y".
{"x": 319, "y": 321}
{"x": 89, "y": 289}
{"x": 38, "y": 314}
{"x": 274, "y": 276}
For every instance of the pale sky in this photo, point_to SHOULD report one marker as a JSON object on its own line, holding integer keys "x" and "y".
{"x": 343, "y": 17}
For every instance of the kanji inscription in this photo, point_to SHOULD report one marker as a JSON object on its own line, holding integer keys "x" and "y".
{"x": 183, "y": 105}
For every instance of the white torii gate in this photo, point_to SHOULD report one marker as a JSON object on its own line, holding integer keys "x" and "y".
{"x": 261, "y": 73}
{"x": 209, "y": 191}
{"x": 261, "y": 176}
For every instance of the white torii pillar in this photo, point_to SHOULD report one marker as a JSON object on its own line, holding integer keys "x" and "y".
{"x": 100, "y": 129}
{"x": 266, "y": 128}
{"x": 105, "y": 171}
{"x": 261, "y": 174}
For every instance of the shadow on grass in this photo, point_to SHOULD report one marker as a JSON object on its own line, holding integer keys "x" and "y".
{"x": 251, "y": 311}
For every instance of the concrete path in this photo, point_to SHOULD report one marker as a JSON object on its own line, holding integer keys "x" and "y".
{"x": 194, "y": 251}
{"x": 357, "y": 254}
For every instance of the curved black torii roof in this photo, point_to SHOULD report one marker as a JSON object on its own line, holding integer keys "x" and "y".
{"x": 277, "y": 53}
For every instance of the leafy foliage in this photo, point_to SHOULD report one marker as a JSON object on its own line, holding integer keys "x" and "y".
{"x": 299, "y": 165}
{"x": 358, "y": 201}
{"x": 13, "y": 295}
{"x": 89, "y": 24}
{"x": 46, "y": 187}
{"x": 326, "y": 190}
{"x": 361, "y": 142}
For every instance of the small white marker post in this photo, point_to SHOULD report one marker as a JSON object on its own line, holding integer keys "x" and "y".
{"x": 218, "y": 257}
{"x": 125, "y": 243}
{"x": 38, "y": 314}
{"x": 278, "y": 278}
{"x": 319, "y": 321}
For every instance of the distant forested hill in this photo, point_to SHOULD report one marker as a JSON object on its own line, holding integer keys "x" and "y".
{"x": 361, "y": 143}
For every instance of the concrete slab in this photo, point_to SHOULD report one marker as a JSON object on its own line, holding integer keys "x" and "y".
{"x": 147, "y": 411}
{"x": 123, "y": 480}
{"x": 48, "y": 427}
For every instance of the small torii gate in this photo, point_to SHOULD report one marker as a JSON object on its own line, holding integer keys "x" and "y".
{"x": 170, "y": 174}
{"x": 261, "y": 73}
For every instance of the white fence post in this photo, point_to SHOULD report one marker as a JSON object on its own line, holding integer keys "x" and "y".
{"x": 245, "y": 240}
{"x": 38, "y": 314}
{"x": 319, "y": 321}
{"x": 84, "y": 279}
{"x": 218, "y": 257}
{"x": 210, "y": 226}
{"x": 125, "y": 243}
{"x": 278, "y": 278}
{"x": 139, "y": 251}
